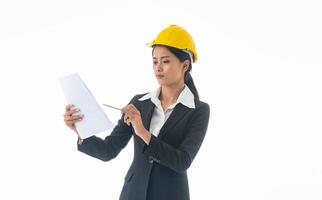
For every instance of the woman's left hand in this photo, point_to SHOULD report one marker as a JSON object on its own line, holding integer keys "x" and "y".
{"x": 133, "y": 116}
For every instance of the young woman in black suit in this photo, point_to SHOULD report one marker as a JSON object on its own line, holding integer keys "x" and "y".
{"x": 168, "y": 125}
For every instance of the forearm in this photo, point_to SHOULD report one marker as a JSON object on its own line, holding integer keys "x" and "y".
{"x": 165, "y": 154}
{"x": 97, "y": 148}
{"x": 145, "y": 136}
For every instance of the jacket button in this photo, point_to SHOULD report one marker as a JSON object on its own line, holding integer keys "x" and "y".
{"x": 151, "y": 159}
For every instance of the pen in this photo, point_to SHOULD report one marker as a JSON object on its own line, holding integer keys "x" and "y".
{"x": 112, "y": 107}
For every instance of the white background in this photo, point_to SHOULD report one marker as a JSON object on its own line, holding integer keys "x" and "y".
{"x": 259, "y": 69}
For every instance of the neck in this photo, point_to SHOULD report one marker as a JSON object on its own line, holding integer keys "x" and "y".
{"x": 170, "y": 94}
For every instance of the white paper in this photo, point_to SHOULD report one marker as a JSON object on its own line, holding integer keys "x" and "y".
{"x": 76, "y": 92}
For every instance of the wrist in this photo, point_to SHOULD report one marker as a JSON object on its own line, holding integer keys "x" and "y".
{"x": 146, "y": 137}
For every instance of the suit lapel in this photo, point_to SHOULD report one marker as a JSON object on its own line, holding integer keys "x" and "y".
{"x": 146, "y": 110}
{"x": 177, "y": 114}
{"x": 146, "y": 113}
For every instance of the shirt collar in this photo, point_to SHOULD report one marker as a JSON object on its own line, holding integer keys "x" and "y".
{"x": 186, "y": 98}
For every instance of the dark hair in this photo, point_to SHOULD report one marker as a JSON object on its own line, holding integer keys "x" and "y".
{"x": 182, "y": 56}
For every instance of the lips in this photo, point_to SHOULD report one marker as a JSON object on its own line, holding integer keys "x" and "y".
{"x": 159, "y": 76}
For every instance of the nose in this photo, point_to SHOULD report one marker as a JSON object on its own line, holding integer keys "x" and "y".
{"x": 158, "y": 67}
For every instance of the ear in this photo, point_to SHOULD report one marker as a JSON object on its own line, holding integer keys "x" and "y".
{"x": 185, "y": 65}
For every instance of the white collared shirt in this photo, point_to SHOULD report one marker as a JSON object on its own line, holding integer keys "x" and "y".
{"x": 160, "y": 116}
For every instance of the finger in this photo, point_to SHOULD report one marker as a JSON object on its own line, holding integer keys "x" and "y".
{"x": 130, "y": 108}
{"x": 71, "y": 111}
{"x": 127, "y": 120}
{"x": 131, "y": 113}
{"x": 126, "y": 117}
{"x": 125, "y": 109}
{"x": 76, "y": 113}
{"x": 69, "y": 106}
{"x": 71, "y": 118}
{"x": 76, "y": 117}
{"x": 133, "y": 107}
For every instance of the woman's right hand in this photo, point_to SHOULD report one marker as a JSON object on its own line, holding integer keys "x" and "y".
{"x": 71, "y": 116}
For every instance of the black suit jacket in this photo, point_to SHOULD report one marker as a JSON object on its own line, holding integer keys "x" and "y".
{"x": 158, "y": 170}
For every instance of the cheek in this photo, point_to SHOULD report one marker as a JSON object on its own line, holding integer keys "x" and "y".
{"x": 174, "y": 72}
{"x": 171, "y": 68}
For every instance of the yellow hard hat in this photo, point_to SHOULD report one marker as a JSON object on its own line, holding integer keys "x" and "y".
{"x": 178, "y": 37}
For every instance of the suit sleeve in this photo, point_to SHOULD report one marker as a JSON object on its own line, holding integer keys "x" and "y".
{"x": 180, "y": 159}
{"x": 111, "y": 146}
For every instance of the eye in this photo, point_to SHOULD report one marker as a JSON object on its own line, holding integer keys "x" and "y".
{"x": 166, "y": 61}
{"x": 155, "y": 62}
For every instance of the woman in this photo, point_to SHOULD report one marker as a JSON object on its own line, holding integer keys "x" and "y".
{"x": 168, "y": 125}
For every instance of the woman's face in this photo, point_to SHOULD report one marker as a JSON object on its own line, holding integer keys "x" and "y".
{"x": 167, "y": 67}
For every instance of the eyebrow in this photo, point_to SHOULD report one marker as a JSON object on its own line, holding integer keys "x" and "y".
{"x": 161, "y": 57}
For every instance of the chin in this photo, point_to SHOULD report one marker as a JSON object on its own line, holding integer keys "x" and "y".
{"x": 162, "y": 83}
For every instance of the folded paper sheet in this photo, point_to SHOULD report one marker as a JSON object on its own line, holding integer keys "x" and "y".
{"x": 76, "y": 92}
